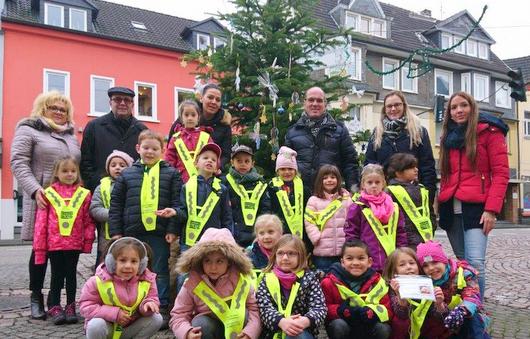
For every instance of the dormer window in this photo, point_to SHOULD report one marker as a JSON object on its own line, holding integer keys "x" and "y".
{"x": 351, "y": 21}
{"x": 78, "y": 19}
{"x": 203, "y": 41}
{"x": 468, "y": 47}
{"x": 365, "y": 25}
{"x": 483, "y": 50}
{"x": 218, "y": 43}
{"x": 53, "y": 15}
{"x": 139, "y": 25}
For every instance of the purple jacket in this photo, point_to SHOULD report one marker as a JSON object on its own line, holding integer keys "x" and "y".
{"x": 357, "y": 227}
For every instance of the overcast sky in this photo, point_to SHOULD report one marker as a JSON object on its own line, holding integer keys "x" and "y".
{"x": 507, "y": 21}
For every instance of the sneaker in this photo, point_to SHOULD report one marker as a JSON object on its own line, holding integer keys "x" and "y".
{"x": 56, "y": 313}
{"x": 70, "y": 315}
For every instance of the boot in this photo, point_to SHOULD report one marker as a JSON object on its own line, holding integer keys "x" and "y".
{"x": 37, "y": 306}
{"x": 70, "y": 315}
{"x": 56, "y": 313}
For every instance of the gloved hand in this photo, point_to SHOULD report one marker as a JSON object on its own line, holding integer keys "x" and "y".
{"x": 455, "y": 318}
{"x": 351, "y": 314}
{"x": 368, "y": 316}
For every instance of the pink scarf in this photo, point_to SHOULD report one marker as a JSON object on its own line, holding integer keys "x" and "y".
{"x": 264, "y": 250}
{"x": 381, "y": 205}
{"x": 287, "y": 279}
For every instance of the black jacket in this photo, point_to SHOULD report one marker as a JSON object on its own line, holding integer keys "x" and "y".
{"x": 124, "y": 213}
{"x": 100, "y": 138}
{"x": 333, "y": 145}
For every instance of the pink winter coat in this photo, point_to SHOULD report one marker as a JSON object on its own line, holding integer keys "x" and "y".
{"x": 47, "y": 236}
{"x": 188, "y": 305}
{"x": 91, "y": 306}
{"x": 329, "y": 241}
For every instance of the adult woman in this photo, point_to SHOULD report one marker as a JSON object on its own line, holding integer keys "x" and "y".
{"x": 45, "y": 136}
{"x": 475, "y": 174}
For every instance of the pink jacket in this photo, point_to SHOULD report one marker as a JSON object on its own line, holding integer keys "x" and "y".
{"x": 188, "y": 305}
{"x": 47, "y": 237}
{"x": 91, "y": 306}
{"x": 329, "y": 241}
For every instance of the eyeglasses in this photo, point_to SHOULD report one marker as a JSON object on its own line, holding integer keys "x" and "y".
{"x": 317, "y": 100}
{"x": 56, "y": 109}
{"x": 289, "y": 254}
{"x": 119, "y": 100}
{"x": 396, "y": 105}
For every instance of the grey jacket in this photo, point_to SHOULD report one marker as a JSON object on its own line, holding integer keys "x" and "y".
{"x": 97, "y": 209}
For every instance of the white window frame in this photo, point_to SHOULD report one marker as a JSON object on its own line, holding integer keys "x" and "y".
{"x": 216, "y": 40}
{"x": 486, "y": 79}
{"x": 437, "y": 72}
{"x": 449, "y": 37}
{"x": 93, "y": 77}
{"x": 79, "y": 11}
{"x": 470, "y": 50}
{"x": 485, "y": 47}
{"x": 355, "y": 19}
{"x": 45, "y": 88}
{"x": 199, "y": 35}
{"x": 465, "y": 79}
{"x": 396, "y": 74}
{"x": 358, "y": 63}
{"x": 139, "y": 25}
{"x": 499, "y": 91}
{"x": 404, "y": 73}
{"x": 383, "y": 30}
{"x": 47, "y": 5}
{"x": 369, "y": 28}
{"x": 177, "y": 103}
{"x": 153, "y": 117}
{"x": 526, "y": 125}
{"x": 461, "y": 49}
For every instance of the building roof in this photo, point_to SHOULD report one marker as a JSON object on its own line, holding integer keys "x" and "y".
{"x": 523, "y": 63}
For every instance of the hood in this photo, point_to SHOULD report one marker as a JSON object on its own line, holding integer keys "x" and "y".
{"x": 493, "y": 121}
{"x": 221, "y": 117}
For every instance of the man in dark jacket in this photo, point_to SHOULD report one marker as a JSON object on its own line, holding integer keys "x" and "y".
{"x": 319, "y": 139}
{"x": 117, "y": 130}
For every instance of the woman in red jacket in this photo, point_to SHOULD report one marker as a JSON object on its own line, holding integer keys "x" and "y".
{"x": 474, "y": 177}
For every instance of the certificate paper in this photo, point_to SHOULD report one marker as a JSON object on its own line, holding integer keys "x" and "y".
{"x": 415, "y": 287}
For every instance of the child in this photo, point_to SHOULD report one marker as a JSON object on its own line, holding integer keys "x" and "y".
{"x": 462, "y": 307}
{"x": 122, "y": 297}
{"x": 248, "y": 194}
{"x": 217, "y": 300}
{"x": 268, "y": 231}
{"x": 411, "y": 197}
{"x": 116, "y": 162}
{"x": 189, "y": 138}
{"x": 374, "y": 218}
{"x": 289, "y": 296}
{"x": 143, "y": 204}
{"x": 63, "y": 229}
{"x": 325, "y": 216}
{"x": 403, "y": 261}
{"x": 356, "y": 296}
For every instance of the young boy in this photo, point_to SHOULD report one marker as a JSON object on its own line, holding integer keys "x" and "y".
{"x": 248, "y": 194}
{"x": 143, "y": 204}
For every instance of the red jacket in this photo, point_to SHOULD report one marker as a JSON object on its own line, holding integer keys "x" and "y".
{"x": 488, "y": 183}
{"x": 47, "y": 237}
{"x": 190, "y": 136}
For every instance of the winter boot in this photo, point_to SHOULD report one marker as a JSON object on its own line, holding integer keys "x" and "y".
{"x": 56, "y": 313}
{"x": 70, "y": 315}
{"x": 37, "y": 306}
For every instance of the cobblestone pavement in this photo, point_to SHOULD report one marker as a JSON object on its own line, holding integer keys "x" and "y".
{"x": 507, "y": 294}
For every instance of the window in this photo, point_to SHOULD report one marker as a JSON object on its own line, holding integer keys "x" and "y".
{"x": 379, "y": 28}
{"x": 482, "y": 50}
{"x": 390, "y": 81}
{"x": 53, "y": 15}
{"x": 461, "y": 49}
{"x": 443, "y": 84}
{"x": 218, "y": 43}
{"x": 56, "y": 80}
{"x": 481, "y": 87}
{"x": 526, "y": 123}
{"x": 365, "y": 25}
{"x": 471, "y": 47}
{"x": 409, "y": 84}
{"x": 203, "y": 41}
{"x": 337, "y": 62}
{"x": 99, "y": 99}
{"x": 181, "y": 94}
{"x": 466, "y": 82}
{"x": 351, "y": 21}
{"x": 138, "y": 25}
{"x": 447, "y": 40}
{"x": 502, "y": 95}
{"x": 78, "y": 19}
{"x": 145, "y": 100}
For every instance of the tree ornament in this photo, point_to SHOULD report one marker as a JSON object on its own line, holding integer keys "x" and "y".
{"x": 295, "y": 98}
{"x": 358, "y": 92}
{"x": 280, "y": 110}
{"x": 183, "y": 63}
{"x": 237, "y": 81}
{"x": 344, "y": 103}
{"x": 263, "y": 116}
{"x": 240, "y": 106}
{"x": 256, "y": 136}
{"x": 265, "y": 81}
{"x": 201, "y": 59}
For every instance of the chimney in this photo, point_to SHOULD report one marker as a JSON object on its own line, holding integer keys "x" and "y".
{"x": 426, "y": 12}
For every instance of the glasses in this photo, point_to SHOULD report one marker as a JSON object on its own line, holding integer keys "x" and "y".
{"x": 56, "y": 109}
{"x": 119, "y": 100}
{"x": 289, "y": 254}
{"x": 396, "y": 105}
{"x": 317, "y": 100}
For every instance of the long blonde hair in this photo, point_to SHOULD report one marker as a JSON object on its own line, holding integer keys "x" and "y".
{"x": 44, "y": 100}
{"x": 413, "y": 123}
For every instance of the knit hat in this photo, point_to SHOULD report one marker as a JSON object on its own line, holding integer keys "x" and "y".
{"x": 431, "y": 251}
{"x": 118, "y": 154}
{"x": 286, "y": 158}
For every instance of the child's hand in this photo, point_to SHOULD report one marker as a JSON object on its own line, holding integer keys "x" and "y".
{"x": 167, "y": 212}
{"x": 151, "y": 306}
{"x": 116, "y": 237}
{"x": 438, "y": 296}
{"x": 303, "y": 321}
{"x": 194, "y": 333}
{"x": 242, "y": 336}
{"x": 170, "y": 237}
{"x": 123, "y": 318}
{"x": 39, "y": 198}
{"x": 291, "y": 326}
{"x": 394, "y": 284}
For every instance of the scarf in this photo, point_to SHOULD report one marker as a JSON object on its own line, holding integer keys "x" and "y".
{"x": 251, "y": 177}
{"x": 263, "y": 250}
{"x": 456, "y": 135}
{"x": 51, "y": 124}
{"x": 314, "y": 125}
{"x": 444, "y": 278}
{"x": 354, "y": 283}
{"x": 122, "y": 123}
{"x": 381, "y": 205}
{"x": 287, "y": 279}
{"x": 392, "y": 128}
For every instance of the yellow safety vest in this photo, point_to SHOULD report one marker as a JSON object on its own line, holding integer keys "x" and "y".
{"x": 104, "y": 190}
{"x": 386, "y": 235}
{"x": 233, "y": 317}
{"x": 149, "y": 196}
{"x": 249, "y": 204}
{"x": 196, "y": 221}
{"x": 188, "y": 157}
{"x": 107, "y": 293}
{"x": 417, "y": 316}
{"x": 420, "y": 216}
{"x": 355, "y": 196}
{"x": 273, "y": 285}
{"x": 66, "y": 213}
{"x": 370, "y": 299}
{"x": 294, "y": 216}
{"x": 256, "y": 277}
{"x": 460, "y": 285}
{"x": 320, "y": 218}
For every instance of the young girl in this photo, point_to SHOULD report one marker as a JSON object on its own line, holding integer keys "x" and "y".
{"x": 122, "y": 297}
{"x": 411, "y": 197}
{"x": 325, "y": 216}
{"x": 268, "y": 231}
{"x": 63, "y": 229}
{"x": 99, "y": 207}
{"x": 356, "y": 296}
{"x": 374, "y": 218}
{"x": 217, "y": 300}
{"x": 289, "y": 296}
{"x": 188, "y": 139}
{"x": 411, "y": 317}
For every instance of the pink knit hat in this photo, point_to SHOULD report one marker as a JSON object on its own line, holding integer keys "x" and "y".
{"x": 431, "y": 251}
{"x": 286, "y": 159}
{"x": 217, "y": 234}
{"x": 118, "y": 154}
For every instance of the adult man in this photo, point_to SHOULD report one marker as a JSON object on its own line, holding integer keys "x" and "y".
{"x": 117, "y": 130}
{"x": 319, "y": 139}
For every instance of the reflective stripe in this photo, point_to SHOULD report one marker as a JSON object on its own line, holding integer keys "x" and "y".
{"x": 249, "y": 204}
{"x": 320, "y": 218}
{"x": 256, "y": 277}
{"x": 196, "y": 221}
{"x": 233, "y": 317}
{"x": 386, "y": 235}
{"x": 417, "y": 316}
{"x": 149, "y": 196}
{"x": 188, "y": 157}
{"x": 460, "y": 285}
{"x": 66, "y": 214}
{"x": 104, "y": 190}
{"x": 294, "y": 216}
{"x": 370, "y": 299}
{"x": 422, "y": 221}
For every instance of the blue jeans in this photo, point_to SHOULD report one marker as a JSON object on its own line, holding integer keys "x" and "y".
{"x": 160, "y": 264}
{"x": 304, "y": 335}
{"x": 472, "y": 328}
{"x": 324, "y": 263}
{"x": 339, "y": 328}
{"x": 469, "y": 245}
{"x": 211, "y": 328}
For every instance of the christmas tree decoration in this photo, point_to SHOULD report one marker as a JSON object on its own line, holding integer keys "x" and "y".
{"x": 295, "y": 98}
{"x": 344, "y": 103}
{"x": 183, "y": 63}
{"x": 359, "y": 93}
{"x": 237, "y": 81}
{"x": 240, "y": 106}
{"x": 280, "y": 110}
{"x": 263, "y": 116}
{"x": 265, "y": 81}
